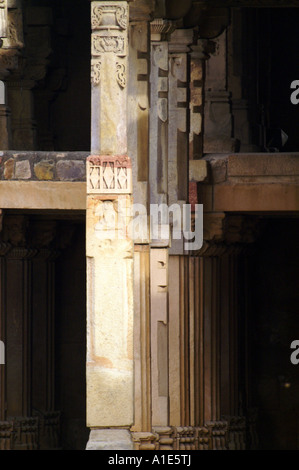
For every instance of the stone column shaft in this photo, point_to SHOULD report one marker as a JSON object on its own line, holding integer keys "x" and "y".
{"x": 109, "y": 246}
{"x": 109, "y": 46}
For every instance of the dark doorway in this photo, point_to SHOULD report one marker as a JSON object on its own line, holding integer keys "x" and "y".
{"x": 43, "y": 321}
{"x": 274, "y": 325}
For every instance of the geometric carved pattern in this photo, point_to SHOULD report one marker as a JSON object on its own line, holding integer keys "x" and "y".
{"x": 109, "y": 174}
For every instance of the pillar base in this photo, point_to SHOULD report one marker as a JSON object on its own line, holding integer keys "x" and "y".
{"x": 109, "y": 439}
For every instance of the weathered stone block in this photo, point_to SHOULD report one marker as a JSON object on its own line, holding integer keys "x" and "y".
{"x": 220, "y": 144}
{"x": 23, "y": 170}
{"x": 70, "y": 170}
{"x": 219, "y": 170}
{"x": 263, "y": 165}
{"x": 9, "y": 169}
{"x": 198, "y": 170}
{"x": 44, "y": 170}
{"x": 256, "y": 197}
{"x": 110, "y": 439}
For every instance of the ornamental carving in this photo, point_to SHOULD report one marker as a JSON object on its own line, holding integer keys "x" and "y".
{"x": 101, "y": 44}
{"x": 96, "y": 17}
{"x": 109, "y": 16}
{"x": 109, "y": 23}
{"x": 95, "y": 72}
{"x": 109, "y": 175}
{"x": 121, "y": 17}
{"x": 121, "y": 74}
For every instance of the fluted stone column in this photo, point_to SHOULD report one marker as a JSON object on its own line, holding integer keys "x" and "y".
{"x": 109, "y": 247}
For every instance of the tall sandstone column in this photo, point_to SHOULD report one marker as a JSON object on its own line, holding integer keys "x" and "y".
{"x": 109, "y": 247}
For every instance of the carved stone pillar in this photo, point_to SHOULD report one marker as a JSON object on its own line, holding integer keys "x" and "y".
{"x": 43, "y": 316}
{"x": 4, "y": 247}
{"x": 197, "y": 72}
{"x": 109, "y": 246}
{"x": 158, "y": 180}
{"x": 18, "y": 331}
{"x": 109, "y": 49}
{"x": 5, "y": 124}
{"x": 3, "y": 18}
{"x": 159, "y": 336}
{"x": 178, "y": 134}
{"x": 20, "y": 99}
{"x": 11, "y": 37}
{"x": 138, "y": 116}
{"x": 239, "y": 79}
{"x": 178, "y": 122}
{"x": 159, "y": 118}
{"x": 218, "y": 118}
{"x": 138, "y": 150}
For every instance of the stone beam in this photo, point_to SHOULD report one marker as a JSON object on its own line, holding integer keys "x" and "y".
{"x": 256, "y": 197}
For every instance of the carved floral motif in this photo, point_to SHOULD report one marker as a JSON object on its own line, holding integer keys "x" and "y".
{"x": 96, "y": 17}
{"x": 121, "y": 74}
{"x": 95, "y": 72}
{"x": 121, "y": 17}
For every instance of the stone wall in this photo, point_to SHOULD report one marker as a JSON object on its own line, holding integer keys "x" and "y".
{"x": 42, "y": 166}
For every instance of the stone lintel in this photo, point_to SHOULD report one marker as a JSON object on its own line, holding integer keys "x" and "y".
{"x": 42, "y": 195}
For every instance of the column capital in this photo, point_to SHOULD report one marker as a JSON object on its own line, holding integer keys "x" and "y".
{"x": 161, "y": 29}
